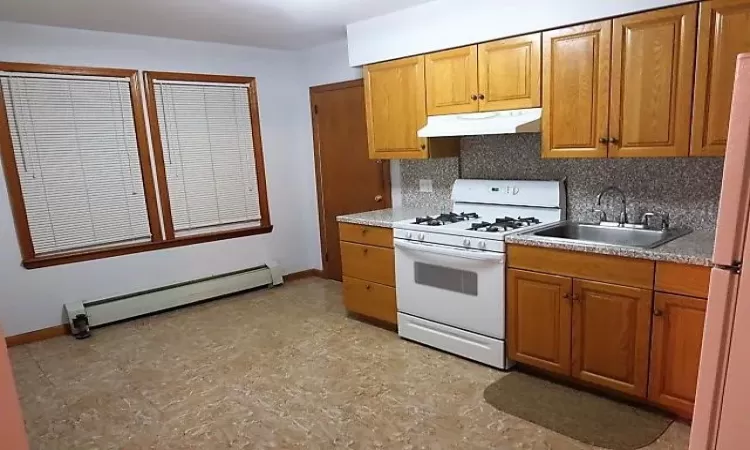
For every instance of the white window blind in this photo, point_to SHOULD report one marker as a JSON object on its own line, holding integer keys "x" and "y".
{"x": 77, "y": 157}
{"x": 207, "y": 143}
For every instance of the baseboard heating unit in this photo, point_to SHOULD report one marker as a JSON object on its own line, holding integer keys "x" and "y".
{"x": 85, "y": 314}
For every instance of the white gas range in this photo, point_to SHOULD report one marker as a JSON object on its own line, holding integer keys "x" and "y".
{"x": 450, "y": 268}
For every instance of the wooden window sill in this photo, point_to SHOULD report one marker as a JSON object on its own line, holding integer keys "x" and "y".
{"x": 129, "y": 249}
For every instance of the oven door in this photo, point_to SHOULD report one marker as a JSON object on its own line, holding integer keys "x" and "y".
{"x": 462, "y": 288}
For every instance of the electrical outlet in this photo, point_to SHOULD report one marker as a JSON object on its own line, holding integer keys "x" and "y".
{"x": 425, "y": 185}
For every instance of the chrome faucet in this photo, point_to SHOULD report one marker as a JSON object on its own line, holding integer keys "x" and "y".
{"x": 624, "y": 213}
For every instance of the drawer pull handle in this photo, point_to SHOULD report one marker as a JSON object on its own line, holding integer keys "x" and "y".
{"x": 364, "y": 250}
{"x": 368, "y": 287}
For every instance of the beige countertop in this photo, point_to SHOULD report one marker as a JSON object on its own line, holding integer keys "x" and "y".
{"x": 382, "y": 217}
{"x": 695, "y": 248}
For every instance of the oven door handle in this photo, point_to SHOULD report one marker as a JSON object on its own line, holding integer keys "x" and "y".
{"x": 477, "y": 256}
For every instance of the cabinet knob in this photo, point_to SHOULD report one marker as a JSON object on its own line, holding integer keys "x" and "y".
{"x": 658, "y": 313}
{"x": 613, "y": 140}
{"x": 566, "y": 296}
{"x": 481, "y": 96}
{"x": 368, "y": 287}
{"x": 423, "y": 146}
{"x": 364, "y": 231}
{"x": 575, "y": 297}
{"x": 378, "y": 198}
{"x": 474, "y": 97}
{"x": 603, "y": 140}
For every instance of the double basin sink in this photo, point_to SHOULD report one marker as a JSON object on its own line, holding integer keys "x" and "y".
{"x": 614, "y": 235}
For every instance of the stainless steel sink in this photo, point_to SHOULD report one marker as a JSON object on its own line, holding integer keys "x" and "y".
{"x": 628, "y": 236}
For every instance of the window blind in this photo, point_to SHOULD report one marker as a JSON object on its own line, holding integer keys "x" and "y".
{"x": 207, "y": 143}
{"x": 77, "y": 158}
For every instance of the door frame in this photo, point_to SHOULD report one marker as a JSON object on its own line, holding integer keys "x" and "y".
{"x": 386, "y": 168}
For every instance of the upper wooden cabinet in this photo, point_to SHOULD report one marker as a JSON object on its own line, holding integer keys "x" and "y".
{"x": 611, "y": 326}
{"x": 509, "y": 73}
{"x": 575, "y": 104}
{"x": 396, "y": 106}
{"x": 539, "y": 320}
{"x": 653, "y": 58}
{"x": 492, "y": 76}
{"x": 452, "y": 81}
{"x": 722, "y": 35}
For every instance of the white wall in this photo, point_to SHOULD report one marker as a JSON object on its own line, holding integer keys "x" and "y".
{"x": 33, "y": 299}
{"x": 443, "y": 24}
{"x": 329, "y": 63}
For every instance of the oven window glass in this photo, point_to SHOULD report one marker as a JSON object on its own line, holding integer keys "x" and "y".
{"x": 446, "y": 278}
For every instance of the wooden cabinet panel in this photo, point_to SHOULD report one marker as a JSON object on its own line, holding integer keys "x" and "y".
{"x": 611, "y": 269}
{"x": 509, "y": 73}
{"x": 611, "y": 335}
{"x": 368, "y": 263}
{"x": 451, "y": 78}
{"x": 396, "y": 108}
{"x": 370, "y": 299}
{"x": 539, "y": 320}
{"x": 676, "y": 351}
{"x": 653, "y": 61}
{"x": 682, "y": 279}
{"x": 362, "y": 234}
{"x": 722, "y": 35}
{"x": 575, "y": 101}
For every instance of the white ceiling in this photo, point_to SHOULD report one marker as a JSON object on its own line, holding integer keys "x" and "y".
{"x": 283, "y": 24}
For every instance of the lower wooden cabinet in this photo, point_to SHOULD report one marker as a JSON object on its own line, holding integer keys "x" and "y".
{"x": 539, "y": 320}
{"x": 369, "y": 273}
{"x": 611, "y": 326}
{"x": 596, "y": 319}
{"x": 676, "y": 342}
{"x": 370, "y": 299}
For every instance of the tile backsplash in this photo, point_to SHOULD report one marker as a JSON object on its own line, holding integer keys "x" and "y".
{"x": 686, "y": 188}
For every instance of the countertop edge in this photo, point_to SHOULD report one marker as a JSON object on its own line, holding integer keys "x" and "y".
{"x": 653, "y": 255}
{"x": 366, "y": 222}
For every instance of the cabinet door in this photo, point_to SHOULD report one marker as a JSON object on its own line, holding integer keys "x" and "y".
{"x": 396, "y": 108}
{"x": 509, "y": 73}
{"x": 676, "y": 342}
{"x": 452, "y": 81}
{"x": 722, "y": 35}
{"x": 611, "y": 329}
{"x": 539, "y": 320}
{"x": 575, "y": 100}
{"x": 653, "y": 62}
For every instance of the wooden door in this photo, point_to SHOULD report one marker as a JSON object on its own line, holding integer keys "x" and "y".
{"x": 676, "y": 341}
{"x": 451, "y": 78}
{"x": 653, "y": 62}
{"x": 539, "y": 320}
{"x": 342, "y": 163}
{"x": 396, "y": 108}
{"x": 722, "y": 35}
{"x": 575, "y": 99}
{"x": 611, "y": 330}
{"x": 510, "y": 73}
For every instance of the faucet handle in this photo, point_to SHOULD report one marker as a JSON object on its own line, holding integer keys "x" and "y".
{"x": 645, "y": 218}
{"x": 602, "y": 214}
{"x": 665, "y": 221}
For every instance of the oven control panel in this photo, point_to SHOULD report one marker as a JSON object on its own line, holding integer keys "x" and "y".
{"x": 472, "y": 243}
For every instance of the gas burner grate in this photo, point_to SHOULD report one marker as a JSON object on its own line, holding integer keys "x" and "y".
{"x": 504, "y": 224}
{"x": 443, "y": 219}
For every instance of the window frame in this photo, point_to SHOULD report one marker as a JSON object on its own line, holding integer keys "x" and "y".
{"x": 158, "y": 215}
{"x": 150, "y": 77}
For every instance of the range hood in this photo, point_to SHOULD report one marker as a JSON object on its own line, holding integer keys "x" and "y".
{"x": 498, "y": 122}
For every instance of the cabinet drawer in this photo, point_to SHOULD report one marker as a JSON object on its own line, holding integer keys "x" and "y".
{"x": 682, "y": 279}
{"x": 362, "y": 234}
{"x": 368, "y": 263}
{"x": 588, "y": 266}
{"x": 370, "y": 299}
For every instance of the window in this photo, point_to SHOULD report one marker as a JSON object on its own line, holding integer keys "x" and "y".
{"x": 78, "y": 167}
{"x": 208, "y": 153}
{"x": 74, "y": 159}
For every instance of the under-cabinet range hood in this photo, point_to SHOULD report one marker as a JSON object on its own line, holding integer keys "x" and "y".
{"x": 497, "y": 122}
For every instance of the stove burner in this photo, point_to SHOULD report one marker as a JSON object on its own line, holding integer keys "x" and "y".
{"x": 504, "y": 224}
{"x": 443, "y": 219}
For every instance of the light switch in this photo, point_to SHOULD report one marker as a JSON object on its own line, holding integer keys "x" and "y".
{"x": 425, "y": 185}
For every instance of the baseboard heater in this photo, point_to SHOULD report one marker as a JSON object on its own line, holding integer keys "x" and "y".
{"x": 83, "y": 315}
